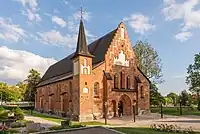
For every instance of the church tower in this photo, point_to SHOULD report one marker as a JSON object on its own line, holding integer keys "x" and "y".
{"x": 82, "y": 78}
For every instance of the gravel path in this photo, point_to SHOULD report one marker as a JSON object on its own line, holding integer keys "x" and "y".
{"x": 44, "y": 123}
{"x": 147, "y": 120}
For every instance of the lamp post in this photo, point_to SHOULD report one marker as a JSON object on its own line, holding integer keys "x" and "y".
{"x": 106, "y": 77}
{"x": 105, "y": 113}
{"x": 161, "y": 110}
{"x": 134, "y": 103}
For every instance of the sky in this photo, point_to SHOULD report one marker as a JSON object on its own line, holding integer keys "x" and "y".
{"x": 38, "y": 33}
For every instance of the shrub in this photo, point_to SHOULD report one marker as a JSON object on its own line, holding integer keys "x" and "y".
{"x": 19, "y": 114}
{"x": 13, "y": 131}
{"x": 16, "y": 125}
{"x": 56, "y": 128}
{"x": 3, "y": 113}
{"x": 198, "y": 107}
{"x": 170, "y": 128}
{"x": 77, "y": 126}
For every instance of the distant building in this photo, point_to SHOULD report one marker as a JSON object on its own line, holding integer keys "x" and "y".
{"x": 75, "y": 84}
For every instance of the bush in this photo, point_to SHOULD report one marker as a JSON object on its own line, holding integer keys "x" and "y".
{"x": 171, "y": 128}
{"x": 16, "y": 125}
{"x": 13, "y": 131}
{"x": 61, "y": 127}
{"x": 198, "y": 107}
{"x": 56, "y": 128}
{"x": 32, "y": 131}
{"x": 77, "y": 126}
{"x": 19, "y": 114}
{"x": 3, "y": 113}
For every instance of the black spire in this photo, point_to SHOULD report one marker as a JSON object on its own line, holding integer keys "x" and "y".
{"x": 82, "y": 48}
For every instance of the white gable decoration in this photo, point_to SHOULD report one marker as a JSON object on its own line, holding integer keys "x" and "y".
{"x": 121, "y": 60}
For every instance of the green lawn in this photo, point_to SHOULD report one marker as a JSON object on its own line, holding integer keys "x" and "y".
{"x": 88, "y": 123}
{"x": 58, "y": 120}
{"x": 129, "y": 130}
{"x": 44, "y": 116}
{"x": 176, "y": 111}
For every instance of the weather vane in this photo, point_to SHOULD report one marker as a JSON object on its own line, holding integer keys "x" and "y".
{"x": 81, "y": 12}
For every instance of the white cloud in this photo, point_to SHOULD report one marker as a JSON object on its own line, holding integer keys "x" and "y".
{"x": 15, "y": 64}
{"x": 31, "y": 10}
{"x": 139, "y": 23}
{"x": 55, "y": 38}
{"x": 32, "y": 16}
{"x": 10, "y": 32}
{"x": 59, "y": 21}
{"x": 56, "y": 10}
{"x": 68, "y": 40}
{"x": 185, "y": 11}
{"x": 183, "y": 36}
{"x": 32, "y": 3}
{"x": 66, "y": 2}
{"x": 178, "y": 76}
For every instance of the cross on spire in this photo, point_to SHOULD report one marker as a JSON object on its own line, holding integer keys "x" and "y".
{"x": 81, "y": 12}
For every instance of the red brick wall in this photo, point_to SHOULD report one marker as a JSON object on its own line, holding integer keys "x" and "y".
{"x": 84, "y": 104}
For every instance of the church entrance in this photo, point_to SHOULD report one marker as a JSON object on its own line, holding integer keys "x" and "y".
{"x": 120, "y": 108}
{"x": 124, "y": 106}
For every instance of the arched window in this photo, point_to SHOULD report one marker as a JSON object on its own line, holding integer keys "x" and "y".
{"x": 142, "y": 92}
{"x": 70, "y": 91}
{"x": 128, "y": 82}
{"x": 122, "y": 80}
{"x": 116, "y": 81}
{"x": 85, "y": 71}
{"x": 96, "y": 89}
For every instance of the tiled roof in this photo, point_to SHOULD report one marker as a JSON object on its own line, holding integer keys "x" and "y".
{"x": 63, "y": 68}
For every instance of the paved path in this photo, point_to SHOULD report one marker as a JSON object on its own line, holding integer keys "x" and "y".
{"x": 141, "y": 121}
{"x": 44, "y": 123}
{"x": 147, "y": 120}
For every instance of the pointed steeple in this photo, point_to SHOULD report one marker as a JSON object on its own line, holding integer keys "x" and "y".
{"x": 82, "y": 48}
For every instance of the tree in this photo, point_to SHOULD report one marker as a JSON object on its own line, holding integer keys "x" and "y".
{"x": 184, "y": 97}
{"x": 174, "y": 97}
{"x": 149, "y": 61}
{"x": 193, "y": 78}
{"x": 168, "y": 100}
{"x": 22, "y": 89}
{"x": 32, "y": 80}
{"x": 9, "y": 93}
{"x": 155, "y": 96}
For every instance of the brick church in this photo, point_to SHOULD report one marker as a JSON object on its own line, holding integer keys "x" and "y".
{"x": 102, "y": 77}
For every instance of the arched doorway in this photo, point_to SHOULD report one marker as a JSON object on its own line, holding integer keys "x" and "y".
{"x": 124, "y": 105}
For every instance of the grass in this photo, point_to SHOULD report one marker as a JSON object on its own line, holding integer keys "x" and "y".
{"x": 176, "y": 111}
{"x": 45, "y": 117}
{"x": 130, "y": 130}
{"x": 58, "y": 120}
{"x": 89, "y": 123}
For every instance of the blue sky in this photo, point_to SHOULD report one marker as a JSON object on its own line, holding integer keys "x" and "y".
{"x": 37, "y": 33}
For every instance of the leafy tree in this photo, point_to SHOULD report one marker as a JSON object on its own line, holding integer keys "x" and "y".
{"x": 9, "y": 93}
{"x": 168, "y": 100}
{"x": 174, "y": 97}
{"x": 193, "y": 78}
{"x": 32, "y": 80}
{"x": 155, "y": 96}
{"x": 198, "y": 107}
{"x": 149, "y": 61}
{"x": 184, "y": 97}
{"x": 22, "y": 89}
